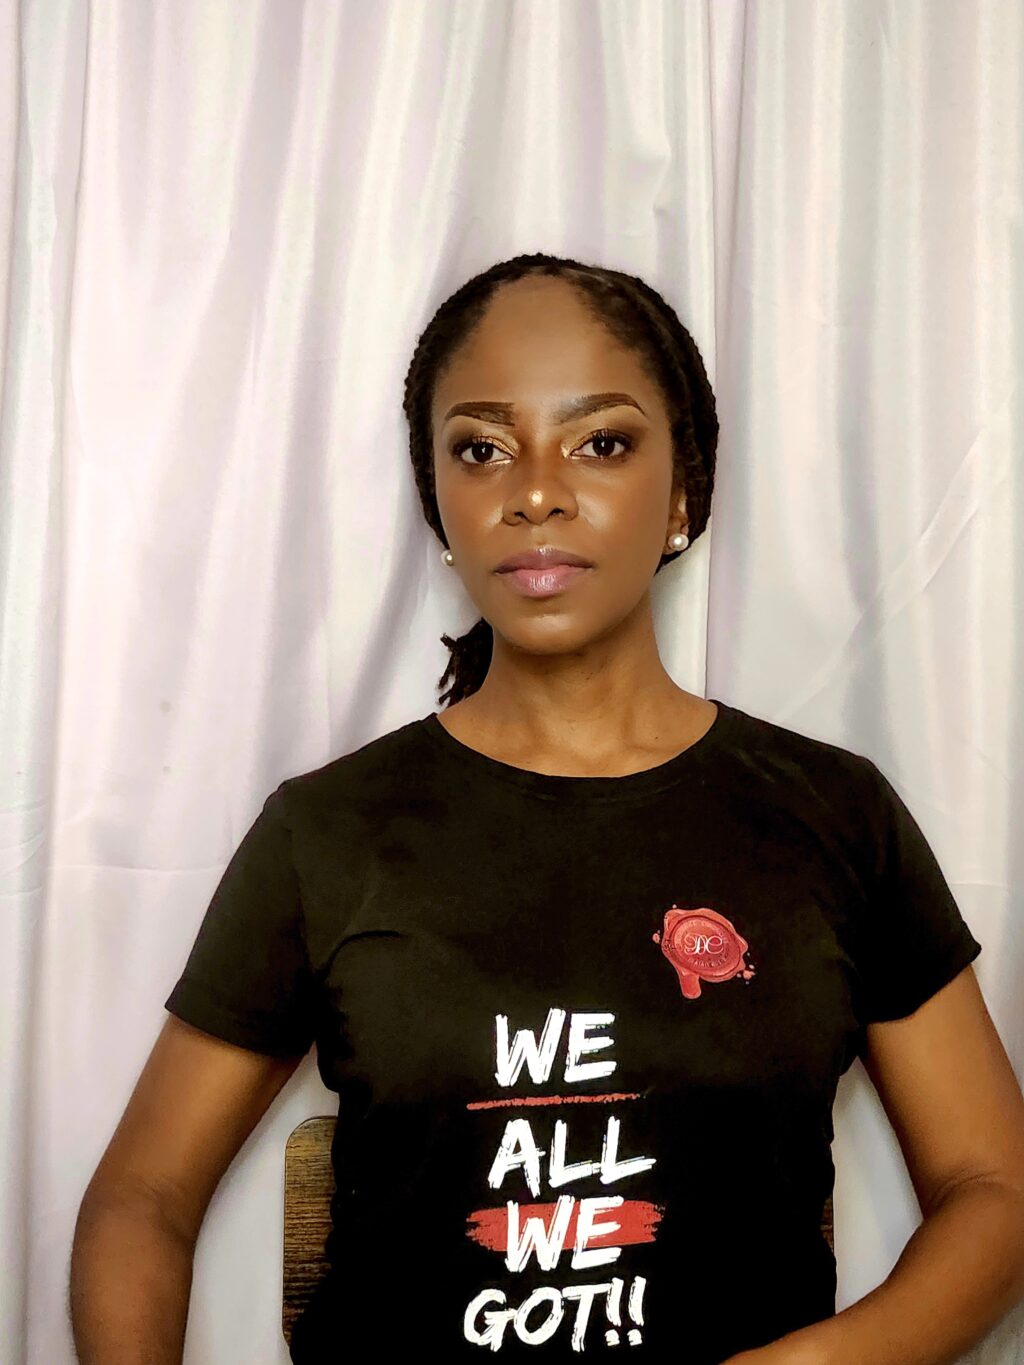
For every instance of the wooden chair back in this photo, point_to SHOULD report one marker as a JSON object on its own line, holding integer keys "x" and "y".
{"x": 308, "y": 1187}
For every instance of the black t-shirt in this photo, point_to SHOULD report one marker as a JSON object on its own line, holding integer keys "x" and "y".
{"x": 586, "y": 1032}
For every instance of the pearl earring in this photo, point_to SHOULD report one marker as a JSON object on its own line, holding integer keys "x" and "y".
{"x": 448, "y": 557}
{"x": 679, "y": 541}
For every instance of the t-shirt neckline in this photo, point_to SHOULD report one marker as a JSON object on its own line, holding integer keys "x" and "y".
{"x": 597, "y": 788}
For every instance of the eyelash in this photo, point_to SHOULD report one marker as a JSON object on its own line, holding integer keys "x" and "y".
{"x": 603, "y": 434}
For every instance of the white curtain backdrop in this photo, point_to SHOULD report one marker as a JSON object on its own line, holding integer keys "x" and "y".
{"x": 223, "y": 227}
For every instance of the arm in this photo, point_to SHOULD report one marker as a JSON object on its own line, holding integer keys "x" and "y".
{"x": 951, "y": 1095}
{"x": 195, "y": 1103}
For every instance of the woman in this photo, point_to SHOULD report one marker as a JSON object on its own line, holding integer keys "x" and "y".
{"x": 585, "y": 955}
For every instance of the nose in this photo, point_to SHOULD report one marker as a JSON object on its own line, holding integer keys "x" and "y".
{"x": 539, "y": 489}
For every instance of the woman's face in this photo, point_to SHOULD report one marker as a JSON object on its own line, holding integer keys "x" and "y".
{"x": 528, "y": 475}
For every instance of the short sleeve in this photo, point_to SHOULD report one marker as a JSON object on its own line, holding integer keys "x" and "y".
{"x": 914, "y": 939}
{"x": 247, "y": 979}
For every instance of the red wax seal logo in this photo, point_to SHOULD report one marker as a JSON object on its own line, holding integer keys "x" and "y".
{"x": 702, "y": 945}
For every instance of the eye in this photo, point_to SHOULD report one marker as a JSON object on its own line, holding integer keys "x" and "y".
{"x": 606, "y": 437}
{"x": 602, "y": 438}
{"x": 469, "y": 442}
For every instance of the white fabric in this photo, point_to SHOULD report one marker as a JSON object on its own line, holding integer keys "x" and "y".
{"x": 227, "y": 225}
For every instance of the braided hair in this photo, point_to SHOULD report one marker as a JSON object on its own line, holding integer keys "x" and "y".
{"x": 638, "y": 317}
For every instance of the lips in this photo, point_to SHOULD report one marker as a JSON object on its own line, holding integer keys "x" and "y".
{"x": 544, "y": 557}
{"x": 554, "y": 578}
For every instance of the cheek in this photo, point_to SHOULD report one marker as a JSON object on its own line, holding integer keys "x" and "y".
{"x": 472, "y": 511}
{"x": 441, "y": 480}
{"x": 462, "y": 502}
{"x": 631, "y": 512}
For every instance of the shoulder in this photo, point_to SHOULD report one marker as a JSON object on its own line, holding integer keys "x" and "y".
{"x": 817, "y": 779}
{"x": 370, "y": 770}
{"x": 780, "y": 752}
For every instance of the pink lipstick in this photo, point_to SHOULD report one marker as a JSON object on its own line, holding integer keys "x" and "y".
{"x": 543, "y": 582}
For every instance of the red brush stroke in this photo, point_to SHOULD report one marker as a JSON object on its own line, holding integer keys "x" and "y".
{"x": 638, "y": 1219}
{"x": 511, "y": 1102}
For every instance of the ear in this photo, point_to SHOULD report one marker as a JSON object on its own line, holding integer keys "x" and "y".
{"x": 679, "y": 520}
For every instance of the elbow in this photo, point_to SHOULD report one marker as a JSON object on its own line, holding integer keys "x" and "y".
{"x": 133, "y": 1202}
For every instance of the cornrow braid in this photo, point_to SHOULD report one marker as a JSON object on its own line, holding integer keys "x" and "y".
{"x": 639, "y": 318}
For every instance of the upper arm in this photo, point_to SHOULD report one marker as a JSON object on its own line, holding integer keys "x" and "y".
{"x": 196, "y": 1101}
{"x": 950, "y": 1092}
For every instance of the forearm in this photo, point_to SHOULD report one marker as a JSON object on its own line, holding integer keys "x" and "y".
{"x": 959, "y": 1274}
{"x": 131, "y": 1277}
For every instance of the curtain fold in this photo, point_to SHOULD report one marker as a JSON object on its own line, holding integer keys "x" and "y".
{"x": 43, "y": 59}
{"x": 224, "y": 229}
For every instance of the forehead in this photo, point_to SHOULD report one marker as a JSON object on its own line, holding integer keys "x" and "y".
{"x": 539, "y": 342}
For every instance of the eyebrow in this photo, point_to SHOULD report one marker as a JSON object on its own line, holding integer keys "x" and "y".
{"x": 582, "y": 406}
